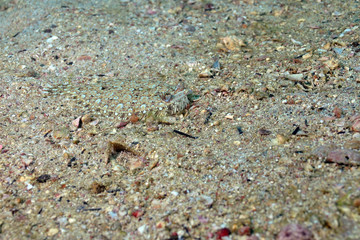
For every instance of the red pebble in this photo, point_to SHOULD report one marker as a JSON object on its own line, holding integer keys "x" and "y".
{"x": 223, "y": 232}
{"x": 122, "y": 124}
{"x": 137, "y": 213}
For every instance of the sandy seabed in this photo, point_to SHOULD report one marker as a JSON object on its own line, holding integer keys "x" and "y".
{"x": 179, "y": 119}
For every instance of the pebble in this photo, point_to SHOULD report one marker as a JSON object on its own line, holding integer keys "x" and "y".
{"x": 174, "y": 193}
{"x": 53, "y": 38}
{"x": 338, "y": 50}
{"x": 280, "y": 139}
{"x": 43, "y": 178}
{"x": 113, "y": 215}
{"x": 356, "y": 202}
{"x": 264, "y": 132}
{"x": 52, "y": 232}
{"x": 72, "y": 220}
{"x": 222, "y": 233}
{"x": 294, "y": 77}
{"x": 237, "y": 143}
{"x": 122, "y": 124}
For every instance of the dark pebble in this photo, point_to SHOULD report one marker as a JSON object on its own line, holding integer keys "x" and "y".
{"x": 43, "y": 178}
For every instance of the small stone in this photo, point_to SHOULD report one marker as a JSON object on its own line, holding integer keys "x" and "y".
{"x": 72, "y": 220}
{"x": 264, "y": 132}
{"x": 230, "y": 117}
{"x": 356, "y": 202}
{"x": 122, "y": 124}
{"x": 338, "y": 50}
{"x": 223, "y": 232}
{"x": 216, "y": 123}
{"x": 295, "y": 232}
{"x": 281, "y": 139}
{"x": 142, "y": 229}
{"x": 53, "y": 38}
{"x": 137, "y": 213}
{"x": 52, "y": 232}
{"x": 43, "y": 178}
{"x": 294, "y": 77}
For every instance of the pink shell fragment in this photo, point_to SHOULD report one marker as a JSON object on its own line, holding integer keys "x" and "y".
{"x": 77, "y": 122}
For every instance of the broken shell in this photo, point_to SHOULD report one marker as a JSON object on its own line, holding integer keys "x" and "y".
{"x": 77, "y": 122}
{"x": 86, "y": 119}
